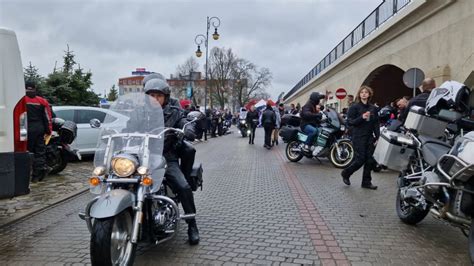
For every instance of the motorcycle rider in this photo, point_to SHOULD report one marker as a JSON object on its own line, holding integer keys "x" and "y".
{"x": 39, "y": 127}
{"x": 252, "y": 122}
{"x": 174, "y": 117}
{"x": 311, "y": 118}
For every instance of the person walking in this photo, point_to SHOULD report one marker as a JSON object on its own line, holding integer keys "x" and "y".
{"x": 280, "y": 111}
{"x": 269, "y": 122}
{"x": 252, "y": 121}
{"x": 39, "y": 127}
{"x": 363, "y": 119}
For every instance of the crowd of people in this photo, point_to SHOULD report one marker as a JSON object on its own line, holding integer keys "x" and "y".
{"x": 363, "y": 120}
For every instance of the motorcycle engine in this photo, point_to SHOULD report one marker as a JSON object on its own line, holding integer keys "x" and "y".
{"x": 162, "y": 218}
{"x": 431, "y": 177}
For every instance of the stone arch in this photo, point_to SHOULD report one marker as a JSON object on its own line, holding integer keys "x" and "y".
{"x": 387, "y": 83}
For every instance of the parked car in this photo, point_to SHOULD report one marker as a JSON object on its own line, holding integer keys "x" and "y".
{"x": 86, "y": 140}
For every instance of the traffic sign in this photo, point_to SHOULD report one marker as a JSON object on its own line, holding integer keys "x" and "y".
{"x": 413, "y": 78}
{"x": 341, "y": 93}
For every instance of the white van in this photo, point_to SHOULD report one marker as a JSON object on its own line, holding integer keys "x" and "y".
{"x": 14, "y": 157}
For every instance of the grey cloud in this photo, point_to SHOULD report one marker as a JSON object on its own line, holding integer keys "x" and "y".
{"x": 113, "y": 37}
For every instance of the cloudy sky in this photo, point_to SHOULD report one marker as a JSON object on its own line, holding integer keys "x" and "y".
{"x": 113, "y": 37}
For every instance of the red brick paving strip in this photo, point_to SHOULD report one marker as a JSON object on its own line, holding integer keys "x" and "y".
{"x": 324, "y": 243}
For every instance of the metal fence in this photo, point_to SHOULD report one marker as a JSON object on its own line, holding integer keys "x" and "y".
{"x": 380, "y": 15}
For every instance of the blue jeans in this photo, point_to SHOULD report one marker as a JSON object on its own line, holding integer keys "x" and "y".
{"x": 312, "y": 132}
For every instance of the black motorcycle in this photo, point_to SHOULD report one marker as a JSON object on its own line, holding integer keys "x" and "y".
{"x": 243, "y": 128}
{"x": 329, "y": 142}
{"x": 58, "y": 149}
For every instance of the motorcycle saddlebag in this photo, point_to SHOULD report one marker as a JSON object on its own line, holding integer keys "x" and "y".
{"x": 288, "y": 133}
{"x": 195, "y": 179}
{"x": 68, "y": 132}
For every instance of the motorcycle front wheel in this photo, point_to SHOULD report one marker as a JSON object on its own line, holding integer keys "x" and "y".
{"x": 343, "y": 157}
{"x": 293, "y": 156}
{"x": 407, "y": 213}
{"x": 110, "y": 240}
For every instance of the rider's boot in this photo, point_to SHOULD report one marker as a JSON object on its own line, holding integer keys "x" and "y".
{"x": 193, "y": 233}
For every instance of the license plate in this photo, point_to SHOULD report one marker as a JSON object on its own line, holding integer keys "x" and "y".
{"x": 302, "y": 137}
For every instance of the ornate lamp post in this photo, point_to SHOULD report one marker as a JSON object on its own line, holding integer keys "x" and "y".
{"x": 200, "y": 39}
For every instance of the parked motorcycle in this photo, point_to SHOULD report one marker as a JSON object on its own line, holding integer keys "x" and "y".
{"x": 329, "y": 142}
{"x": 58, "y": 149}
{"x": 226, "y": 126}
{"x": 437, "y": 177}
{"x": 135, "y": 202}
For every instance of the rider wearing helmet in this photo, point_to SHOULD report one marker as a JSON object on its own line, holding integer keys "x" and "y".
{"x": 174, "y": 117}
{"x": 311, "y": 118}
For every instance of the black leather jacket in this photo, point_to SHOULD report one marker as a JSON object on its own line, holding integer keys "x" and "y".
{"x": 252, "y": 118}
{"x": 309, "y": 115}
{"x": 359, "y": 126}
{"x": 418, "y": 100}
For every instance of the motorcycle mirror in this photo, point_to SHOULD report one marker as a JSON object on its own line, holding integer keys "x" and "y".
{"x": 95, "y": 123}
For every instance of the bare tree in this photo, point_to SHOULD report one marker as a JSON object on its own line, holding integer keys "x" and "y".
{"x": 184, "y": 72}
{"x": 221, "y": 64}
{"x": 190, "y": 65}
{"x": 258, "y": 80}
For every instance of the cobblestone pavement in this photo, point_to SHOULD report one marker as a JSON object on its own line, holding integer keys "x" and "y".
{"x": 71, "y": 180}
{"x": 257, "y": 208}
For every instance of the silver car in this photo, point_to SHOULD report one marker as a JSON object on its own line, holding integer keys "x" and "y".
{"x": 86, "y": 140}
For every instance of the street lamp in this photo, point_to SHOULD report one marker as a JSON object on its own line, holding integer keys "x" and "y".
{"x": 200, "y": 39}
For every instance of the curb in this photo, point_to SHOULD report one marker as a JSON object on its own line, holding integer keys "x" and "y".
{"x": 34, "y": 211}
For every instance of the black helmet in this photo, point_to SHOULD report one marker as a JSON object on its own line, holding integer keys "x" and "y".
{"x": 157, "y": 85}
{"x": 152, "y": 76}
{"x": 315, "y": 97}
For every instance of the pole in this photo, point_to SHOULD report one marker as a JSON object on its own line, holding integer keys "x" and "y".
{"x": 414, "y": 84}
{"x": 207, "y": 67}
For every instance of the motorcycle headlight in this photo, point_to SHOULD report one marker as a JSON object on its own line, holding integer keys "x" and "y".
{"x": 242, "y": 122}
{"x": 123, "y": 167}
{"x": 343, "y": 128}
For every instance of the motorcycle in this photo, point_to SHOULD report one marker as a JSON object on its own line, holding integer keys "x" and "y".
{"x": 439, "y": 180}
{"x": 243, "y": 128}
{"x": 437, "y": 177}
{"x": 135, "y": 203}
{"x": 226, "y": 126}
{"x": 58, "y": 149}
{"x": 329, "y": 142}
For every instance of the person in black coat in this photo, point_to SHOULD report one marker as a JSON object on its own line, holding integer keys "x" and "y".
{"x": 419, "y": 100}
{"x": 311, "y": 118}
{"x": 363, "y": 118}
{"x": 252, "y": 122}
{"x": 175, "y": 176}
{"x": 269, "y": 123}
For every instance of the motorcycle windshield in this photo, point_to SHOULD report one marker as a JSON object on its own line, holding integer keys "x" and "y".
{"x": 137, "y": 135}
{"x": 333, "y": 118}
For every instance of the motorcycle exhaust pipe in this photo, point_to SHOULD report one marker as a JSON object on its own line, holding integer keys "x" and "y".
{"x": 450, "y": 217}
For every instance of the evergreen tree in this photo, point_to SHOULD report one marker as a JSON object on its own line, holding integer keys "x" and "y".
{"x": 71, "y": 86}
{"x": 113, "y": 94}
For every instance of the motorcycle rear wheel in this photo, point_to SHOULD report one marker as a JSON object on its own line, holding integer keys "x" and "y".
{"x": 471, "y": 240}
{"x": 337, "y": 160}
{"x": 57, "y": 164}
{"x": 409, "y": 214}
{"x": 110, "y": 240}
{"x": 292, "y": 155}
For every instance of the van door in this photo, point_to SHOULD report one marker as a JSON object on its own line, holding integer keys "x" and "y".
{"x": 15, "y": 166}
